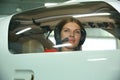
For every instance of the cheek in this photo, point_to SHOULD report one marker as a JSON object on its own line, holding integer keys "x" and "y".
{"x": 77, "y": 38}
{"x": 64, "y": 35}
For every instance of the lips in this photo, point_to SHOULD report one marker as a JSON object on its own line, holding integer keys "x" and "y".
{"x": 71, "y": 40}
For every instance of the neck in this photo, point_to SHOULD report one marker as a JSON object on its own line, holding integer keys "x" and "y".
{"x": 67, "y": 49}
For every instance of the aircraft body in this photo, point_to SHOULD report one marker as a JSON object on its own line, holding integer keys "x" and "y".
{"x": 25, "y": 37}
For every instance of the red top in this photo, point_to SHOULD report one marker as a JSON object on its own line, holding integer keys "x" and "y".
{"x": 50, "y": 50}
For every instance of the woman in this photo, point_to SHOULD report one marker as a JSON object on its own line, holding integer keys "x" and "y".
{"x": 71, "y": 31}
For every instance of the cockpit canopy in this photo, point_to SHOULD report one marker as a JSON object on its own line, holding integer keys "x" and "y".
{"x": 32, "y": 31}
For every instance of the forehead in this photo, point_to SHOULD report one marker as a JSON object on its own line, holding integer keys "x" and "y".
{"x": 71, "y": 25}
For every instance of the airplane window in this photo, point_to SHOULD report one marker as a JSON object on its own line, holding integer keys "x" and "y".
{"x": 97, "y": 39}
{"x": 100, "y": 44}
{"x": 34, "y": 31}
{"x": 28, "y": 40}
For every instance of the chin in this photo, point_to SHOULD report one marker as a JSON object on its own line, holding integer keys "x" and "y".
{"x": 71, "y": 47}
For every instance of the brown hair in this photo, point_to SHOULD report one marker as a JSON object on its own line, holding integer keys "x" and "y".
{"x": 59, "y": 27}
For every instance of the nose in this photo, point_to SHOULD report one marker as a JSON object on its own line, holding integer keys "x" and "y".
{"x": 71, "y": 34}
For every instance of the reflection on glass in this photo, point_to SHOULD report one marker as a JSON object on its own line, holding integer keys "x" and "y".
{"x": 23, "y": 30}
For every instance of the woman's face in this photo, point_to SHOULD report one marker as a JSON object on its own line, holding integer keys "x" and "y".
{"x": 71, "y": 31}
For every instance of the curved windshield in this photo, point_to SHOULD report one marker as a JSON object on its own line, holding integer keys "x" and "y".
{"x": 78, "y": 27}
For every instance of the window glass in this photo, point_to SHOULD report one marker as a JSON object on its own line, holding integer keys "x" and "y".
{"x": 99, "y": 44}
{"x": 33, "y": 31}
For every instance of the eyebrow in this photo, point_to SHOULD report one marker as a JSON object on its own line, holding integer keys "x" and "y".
{"x": 69, "y": 28}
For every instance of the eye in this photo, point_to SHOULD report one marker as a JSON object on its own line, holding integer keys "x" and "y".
{"x": 77, "y": 31}
{"x": 66, "y": 30}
